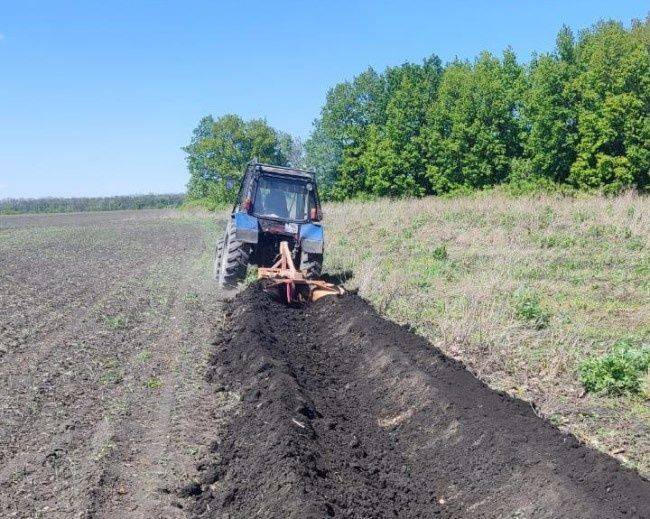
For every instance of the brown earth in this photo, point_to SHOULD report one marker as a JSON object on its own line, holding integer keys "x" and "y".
{"x": 345, "y": 414}
{"x": 104, "y": 321}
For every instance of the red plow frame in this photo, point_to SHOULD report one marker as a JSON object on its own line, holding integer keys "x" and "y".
{"x": 296, "y": 287}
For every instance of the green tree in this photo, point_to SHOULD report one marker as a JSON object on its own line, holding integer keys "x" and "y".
{"x": 369, "y": 129}
{"x": 220, "y": 149}
{"x": 393, "y": 159}
{"x": 612, "y": 89}
{"x": 293, "y": 149}
{"x": 473, "y": 131}
{"x": 197, "y": 156}
{"x": 339, "y": 133}
{"x": 549, "y": 114}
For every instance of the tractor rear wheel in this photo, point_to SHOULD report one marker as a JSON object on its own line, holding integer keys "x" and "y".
{"x": 231, "y": 259}
{"x": 311, "y": 264}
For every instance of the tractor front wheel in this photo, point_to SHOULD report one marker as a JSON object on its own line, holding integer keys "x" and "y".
{"x": 231, "y": 259}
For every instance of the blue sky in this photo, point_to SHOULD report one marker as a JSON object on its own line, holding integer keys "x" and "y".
{"x": 97, "y": 97}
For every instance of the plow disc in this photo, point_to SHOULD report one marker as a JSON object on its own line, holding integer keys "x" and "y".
{"x": 291, "y": 282}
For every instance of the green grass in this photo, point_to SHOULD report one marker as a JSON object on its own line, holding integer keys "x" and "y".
{"x": 144, "y": 356}
{"x": 622, "y": 370}
{"x": 525, "y": 291}
{"x": 527, "y": 307}
{"x": 112, "y": 373}
{"x": 115, "y": 322}
{"x": 153, "y": 383}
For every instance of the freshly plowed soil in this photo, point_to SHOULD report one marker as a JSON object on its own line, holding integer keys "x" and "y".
{"x": 344, "y": 414}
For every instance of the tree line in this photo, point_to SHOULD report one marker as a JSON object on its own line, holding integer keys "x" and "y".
{"x": 578, "y": 116}
{"x": 74, "y": 205}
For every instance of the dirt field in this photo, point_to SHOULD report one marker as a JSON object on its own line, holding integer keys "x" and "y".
{"x": 104, "y": 323}
{"x": 127, "y": 390}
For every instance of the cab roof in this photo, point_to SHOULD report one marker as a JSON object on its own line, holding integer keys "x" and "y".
{"x": 283, "y": 170}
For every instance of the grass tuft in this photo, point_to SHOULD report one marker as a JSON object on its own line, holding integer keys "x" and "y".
{"x": 115, "y": 322}
{"x": 144, "y": 356}
{"x": 153, "y": 383}
{"x": 111, "y": 377}
{"x": 623, "y": 370}
{"x": 528, "y": 308}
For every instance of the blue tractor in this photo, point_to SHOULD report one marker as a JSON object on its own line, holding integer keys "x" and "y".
{"x": 274, "y": 204}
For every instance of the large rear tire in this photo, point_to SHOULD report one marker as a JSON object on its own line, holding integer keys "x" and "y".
{"x": 311, "y": 264}
{"x": 231, "y": 259}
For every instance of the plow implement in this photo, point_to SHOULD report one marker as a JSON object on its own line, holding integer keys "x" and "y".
{"x": 291, "y": 283}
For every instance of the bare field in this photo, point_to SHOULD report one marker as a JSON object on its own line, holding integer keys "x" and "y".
{"x": 104, "y": 324}
{"x": 522, "y": 290}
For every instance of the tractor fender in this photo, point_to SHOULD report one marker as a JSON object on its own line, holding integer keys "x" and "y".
{"x": 312, "y": 238}
{"x": 246, "y": 227}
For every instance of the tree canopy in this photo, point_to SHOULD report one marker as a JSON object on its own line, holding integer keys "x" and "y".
{"x": 577, "y": 116}
{"x": 220, "y": 149}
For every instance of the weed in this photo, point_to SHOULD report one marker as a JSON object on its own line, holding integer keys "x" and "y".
{"x": 112, "y": 373}
{"x": 143, "y": 356}
{"x": 597, "y": 231}
{"x": 439, "y": 252}
{"x": 191, "y": 297}
{"x": 623, "y": 369}
{"x": 18, "y": 475}
{"x": 581, "y": 216}
{"x": 104, "y": 450}
{"x": 153, "y": 383}
{"x": 635, "y": 244}
{"x": 115, "y": 322}
{"x": 557, "y": 240}
{"x": 545, "y": 217}
{"x": 119, "y": 407}
{"x": 528, "y": 307}
{"x": 111, "y": 376}
{"x": 645, "y": 385}
{"x": 251, "y": 275}
{"x": 557, "y": 419}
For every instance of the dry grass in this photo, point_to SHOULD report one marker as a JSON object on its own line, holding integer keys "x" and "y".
{"x": 520, "y": 289}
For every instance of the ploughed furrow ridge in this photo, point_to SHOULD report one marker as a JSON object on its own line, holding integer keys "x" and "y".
{"x": 345, "y": 414}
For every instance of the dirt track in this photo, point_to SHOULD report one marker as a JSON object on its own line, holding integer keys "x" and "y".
{"x": 344, "y": 414}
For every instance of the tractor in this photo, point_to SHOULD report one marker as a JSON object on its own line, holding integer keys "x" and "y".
{"x": 275, "y": 222}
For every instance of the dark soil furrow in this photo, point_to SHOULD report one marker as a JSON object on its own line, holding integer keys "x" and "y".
{"x": 344, "y": 414}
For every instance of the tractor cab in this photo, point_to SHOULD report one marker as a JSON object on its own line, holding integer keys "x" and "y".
{"x": 274, "y": 204}
{"x": 284, "y": 198}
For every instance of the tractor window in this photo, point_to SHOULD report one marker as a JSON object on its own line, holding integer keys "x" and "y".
{"x": 284, "y": 199}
